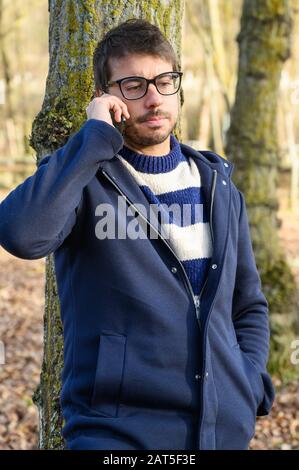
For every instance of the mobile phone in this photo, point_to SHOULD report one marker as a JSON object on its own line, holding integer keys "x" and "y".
{"x": 122, "y": 124}
{"x": 119, "y": 125}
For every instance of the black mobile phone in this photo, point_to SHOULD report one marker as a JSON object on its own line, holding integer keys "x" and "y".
{"x": 119, "y": 125}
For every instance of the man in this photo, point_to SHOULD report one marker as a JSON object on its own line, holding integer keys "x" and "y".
{"x": 166, "y": 329}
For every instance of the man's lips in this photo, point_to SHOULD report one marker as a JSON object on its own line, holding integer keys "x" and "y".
{"x": 154, "y": 120}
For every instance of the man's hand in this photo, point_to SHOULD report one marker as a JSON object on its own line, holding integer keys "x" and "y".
{"x": 100, "y": 108}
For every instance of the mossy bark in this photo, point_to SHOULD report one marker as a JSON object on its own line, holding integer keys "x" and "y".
{"x": 75, "y": 28}
{"x": 264, "y": 45}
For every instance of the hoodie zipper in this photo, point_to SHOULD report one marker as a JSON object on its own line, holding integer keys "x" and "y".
{"x": 211, "y": 231}
{"x": 196, "y": 301}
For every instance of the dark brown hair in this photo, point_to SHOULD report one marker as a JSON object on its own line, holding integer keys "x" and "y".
{"x": 134, "y": 36}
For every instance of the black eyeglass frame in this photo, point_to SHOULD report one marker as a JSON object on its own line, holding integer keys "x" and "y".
{"x": 148, "y": 81}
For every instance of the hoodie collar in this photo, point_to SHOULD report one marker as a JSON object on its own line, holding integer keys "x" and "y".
{"x": 211, "y": 159}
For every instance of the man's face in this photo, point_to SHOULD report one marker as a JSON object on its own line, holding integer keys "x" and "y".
{"x": 138, "y": 132}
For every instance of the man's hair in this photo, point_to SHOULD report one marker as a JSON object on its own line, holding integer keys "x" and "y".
{"x": 134, "y": 36}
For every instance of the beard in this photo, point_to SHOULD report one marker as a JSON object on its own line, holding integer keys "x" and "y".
{"x": 136, "y": 136}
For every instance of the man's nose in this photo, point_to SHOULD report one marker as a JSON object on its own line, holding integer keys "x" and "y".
{"x": 153, "y": 97}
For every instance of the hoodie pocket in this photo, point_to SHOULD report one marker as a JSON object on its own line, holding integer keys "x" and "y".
{"x": 254, "y": 377}
{"x": 109, "y": 374}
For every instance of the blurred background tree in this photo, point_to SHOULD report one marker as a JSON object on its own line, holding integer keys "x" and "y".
{"x": 23, "y": 65}
{"x": 252, "y": 144}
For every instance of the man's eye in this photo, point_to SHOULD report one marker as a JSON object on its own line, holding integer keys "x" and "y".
{"x": 135, "y": 87}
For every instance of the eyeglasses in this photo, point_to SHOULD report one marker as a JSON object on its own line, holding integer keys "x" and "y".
{"x": 133, "y": 88}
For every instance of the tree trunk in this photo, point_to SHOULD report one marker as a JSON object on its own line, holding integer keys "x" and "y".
{"x": 75, "y": 28}
{"x": 264, "y": 43}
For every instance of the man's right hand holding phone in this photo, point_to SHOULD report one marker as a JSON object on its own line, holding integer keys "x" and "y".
{"x": 101, "y": 107}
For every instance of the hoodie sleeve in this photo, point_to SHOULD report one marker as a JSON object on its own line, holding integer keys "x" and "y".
{"x": 250, "y": 311}
{"x": 38, "y": 214}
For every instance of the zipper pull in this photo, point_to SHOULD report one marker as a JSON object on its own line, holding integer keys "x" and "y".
{"x": 197, "y": 307}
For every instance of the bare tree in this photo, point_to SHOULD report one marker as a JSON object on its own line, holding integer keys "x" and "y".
{"x": 264, "y": 46}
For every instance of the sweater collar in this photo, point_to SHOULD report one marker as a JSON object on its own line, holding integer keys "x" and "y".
{"x": 154, "y": 164}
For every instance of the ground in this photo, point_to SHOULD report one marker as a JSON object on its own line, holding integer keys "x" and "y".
{"x": 21, "y": 330}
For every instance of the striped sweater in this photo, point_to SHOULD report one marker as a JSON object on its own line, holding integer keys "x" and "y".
{"x": 175, "y": 179}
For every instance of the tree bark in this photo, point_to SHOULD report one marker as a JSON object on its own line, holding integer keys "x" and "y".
{"x": 264, "y": 45}
{"x": 75, "y": 28}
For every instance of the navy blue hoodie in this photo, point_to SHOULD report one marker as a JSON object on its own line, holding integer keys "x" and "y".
{"x": 144, "y": 367}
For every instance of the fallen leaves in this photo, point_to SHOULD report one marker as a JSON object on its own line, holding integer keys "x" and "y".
{"x": 280, "y": 430}
{"x": 21, "y": 331}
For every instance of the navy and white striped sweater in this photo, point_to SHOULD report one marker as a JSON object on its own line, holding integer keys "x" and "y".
{"x": 175, "y": 179}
